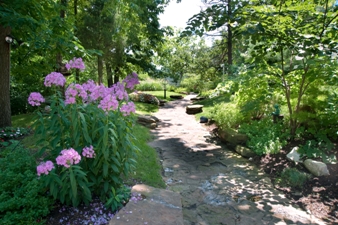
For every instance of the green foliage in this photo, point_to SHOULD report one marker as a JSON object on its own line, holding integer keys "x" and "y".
{"x": 148, "y": 169}
{"x": 293, "y": 177}
{"x": 22, "y": 197}
{"x": 7, "y": 133}
{"x": 265, "y": 137}
{"x": 227, "y": 115}
{"x": 150, "y": 86}
{"x": 118, "y": 198}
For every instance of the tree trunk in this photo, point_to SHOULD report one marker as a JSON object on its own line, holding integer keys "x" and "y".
{"x": 116, "y": 75}
{"x": 109, "y": 75}
{"x": 5, "y": 61}
{"x": 229, "y": 41}
{"x": 100, "y": 69}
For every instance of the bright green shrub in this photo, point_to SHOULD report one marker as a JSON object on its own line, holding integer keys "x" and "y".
{"x": 22, "y": 196}
{"x": 265, "y": 137}
{"x": 227, "y": 115}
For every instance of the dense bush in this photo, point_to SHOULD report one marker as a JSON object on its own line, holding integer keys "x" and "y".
{"x": 265, "y": 137}
{"x": 87, "y": 132}
{"x": 227, "y": 115}
{"x": 22, "y": 196}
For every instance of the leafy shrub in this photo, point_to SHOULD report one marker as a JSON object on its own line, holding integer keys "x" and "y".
{"x": 227, "y": 115}
{"x": 89, "y": 135}
{"x": 293, "y": 178}
{"x": 13, "y": 132}
{"x": 22, "y": 196}
{"x": 143, "y": 97}
{"x": 150, "y": 85}
{"x": 265, "y": 137}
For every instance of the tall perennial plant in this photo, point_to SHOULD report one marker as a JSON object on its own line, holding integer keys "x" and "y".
{"x": 88, "y": 120}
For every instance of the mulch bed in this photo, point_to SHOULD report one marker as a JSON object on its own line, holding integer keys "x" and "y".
{"x": 318, "y": 196}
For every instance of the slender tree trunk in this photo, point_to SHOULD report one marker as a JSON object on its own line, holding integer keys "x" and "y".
{"x": 229, "y": 41}
{"x": 109, "y": 75}
{"x": 100, "y": 69}
{"x": 116, "y": 75}
{"x": 77, "y": 73}
{"x": 5, "y": 61}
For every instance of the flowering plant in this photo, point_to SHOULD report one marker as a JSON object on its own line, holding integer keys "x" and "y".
{"x": 89, "y": 120}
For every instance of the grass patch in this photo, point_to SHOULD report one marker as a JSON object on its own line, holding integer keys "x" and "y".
{"x": 160, "y": 94}
{"x": 23, "y": 120}
{"x": 208, "y": 105}
{"x": 145, "y": 108}
{"x": 148, "y": 168}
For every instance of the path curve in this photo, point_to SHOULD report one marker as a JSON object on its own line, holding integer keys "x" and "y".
{"x": 217, "y": 186}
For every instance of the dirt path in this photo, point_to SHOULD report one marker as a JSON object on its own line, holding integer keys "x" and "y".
{"x": 217, "y": 186}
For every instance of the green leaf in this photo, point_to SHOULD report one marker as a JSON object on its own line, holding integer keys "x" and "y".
{"x": 73, "y": 182}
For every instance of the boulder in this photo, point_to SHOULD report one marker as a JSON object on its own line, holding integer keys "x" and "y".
{"x": 245, "y": 152}
{"x": 193, "y": 109}
{"x": 197, "y": 98}
{"x": 148, "y": 121}
{"x": 176, "y": 96}
{"x": 294, "y": 156}
{"x": 316, "y": 168}
{"x": 143, "y": 97}
{"x": 203, "y": 119}
{"x": 232, "y": 137}
{"x": 162, "y": 102}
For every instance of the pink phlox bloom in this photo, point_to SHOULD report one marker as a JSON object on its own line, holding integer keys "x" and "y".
{"x": 89, "y": 85}
{"x": 98, "y": 92}
{"x": 108, "y": 103}
{"x": 74, "y": 90}
{"x": 68, "y": 157}
{"x": 131, "y": 80}
{"x": 55, "y": 78}
{"x": 88, "y": 152}
{"x": 76, "y": 63}
{"x": 44, "y": 168}
{"x": 128, "y": 108}
{"x": 119, "y": 90}
{"x": 35, "y": 99}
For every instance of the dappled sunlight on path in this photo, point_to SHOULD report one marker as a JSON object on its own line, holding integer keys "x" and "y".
{"x": 217, "y": 186}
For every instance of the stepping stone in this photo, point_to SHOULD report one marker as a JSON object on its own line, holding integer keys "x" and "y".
{"x": 197, "y": 98}
{"x": 176, "y": 96}
{"x": 159, "y": 207}
{"x": 193, "y": 109}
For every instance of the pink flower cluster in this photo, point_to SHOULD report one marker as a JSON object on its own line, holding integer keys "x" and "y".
{"x": 74, "y": 90}
{"x": 108, "y": 103}
{"x": 35, "y": 99}
{"x": 131, "y": 80}
{"x": 68, "y": 157}
{"x": 76, "y": 63}
{"x": 55, "y": 78}
{"x": 128, "y": 108}
{"x": 88, "y": 152}
{"x": 44, "y": 168}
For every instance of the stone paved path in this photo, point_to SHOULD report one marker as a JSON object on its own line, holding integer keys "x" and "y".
{"x": 216, "y": 185}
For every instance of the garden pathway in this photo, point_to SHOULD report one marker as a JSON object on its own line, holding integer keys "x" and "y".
{"x": 216, "y": 185}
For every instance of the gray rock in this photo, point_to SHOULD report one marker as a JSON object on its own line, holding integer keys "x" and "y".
{"x": 294, "y": 155}
{"x": 148, "y": 121}
{"x": 193, "y": 109}
{"x": 245, "y": 152}
{"x": 232, "y": 137}
{"x": 316, "y": 168}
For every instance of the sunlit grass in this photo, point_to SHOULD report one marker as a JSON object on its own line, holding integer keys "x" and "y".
{"x": 23, "y": 120}
{"x": 160, "y": 94}
{"x": 145, "y": 108}
{"x": 148, "y": 168}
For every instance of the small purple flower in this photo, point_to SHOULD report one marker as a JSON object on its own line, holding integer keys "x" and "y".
{"x": 35, "y": 99}
{"x": 108, "y": 103}
{"x": 131, "y": 80}
{"x": 88, "y": 152}
{"x": 128, "y": 108}
{"x": 55, "y": 78}
{"x": 74, "y": 90}
{"x": 44, "y": 168}
{"x": 76, "y": 63}
{"x": 68, "y": 157}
